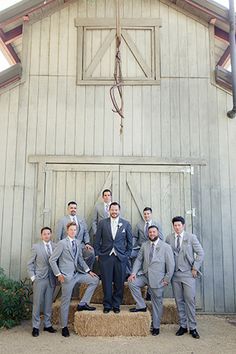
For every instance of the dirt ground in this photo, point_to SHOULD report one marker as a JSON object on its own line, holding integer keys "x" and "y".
{"x": 218, "y": 335}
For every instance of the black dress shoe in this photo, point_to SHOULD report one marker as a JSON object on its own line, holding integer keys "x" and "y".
{"x": 148, "y": 297}
{"x": 194, "y": 333}
{"x": 106, "y": 310}
{"x": 50, "y": 329}
{"x": 116, "y": 310}
{"x": 85, "y": 307}
{"x": 181, "y": 331}
{"x": 35, "y": 332}
{"x": 155, "y": 331}
{"x": 133, "y": 309}
{"x": 65, "y": 332}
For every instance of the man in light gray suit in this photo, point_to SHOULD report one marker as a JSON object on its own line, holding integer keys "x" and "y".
{"x": 82, "y": 234}
{"x": 101, "y": 210}
{"x": 44, "y": 281}
{"x": 70, "y": 268}
{"x": 188, "y": 254}
{"x": 156, "y": 263}
{"x": 141, "y": 231}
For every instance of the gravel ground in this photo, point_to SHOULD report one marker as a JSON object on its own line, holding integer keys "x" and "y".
{"x": 218, "y": 335}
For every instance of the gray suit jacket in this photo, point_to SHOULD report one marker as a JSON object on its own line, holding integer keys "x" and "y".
{"x": 161, "y": 267}
{"x": 62, "y": 260}
{"x": 191, "y": 254}
{"x": 139, "y": 236}
{"x": 98, "y": 215}
{"x": 38, "y": 264}
{"x": 82, "y": 234}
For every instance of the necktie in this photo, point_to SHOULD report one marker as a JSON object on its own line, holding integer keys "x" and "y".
{"x": 151, "y": 252}
{"x": 107, "y": 209}
{"x": 146, "y": 229}
{"x": 178, "y": 243}
{"x": 74, "y": 248}
{"x": 48, "y": 250}
{"x": 74, "y": 219}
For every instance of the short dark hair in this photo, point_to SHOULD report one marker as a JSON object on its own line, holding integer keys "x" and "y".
{"x": 105, "y": 191}
{"x": 72, "y": 223}
{"x": 71, "y": 202}
{"x": 153, "y": 227}
{"x": 147, "y": 209}
{"x": 114, "y": 203}
{"x": 178, "y": 219}
{"x": 45, "y": 228}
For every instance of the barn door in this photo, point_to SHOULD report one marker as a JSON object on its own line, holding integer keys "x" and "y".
{"x": 165, "y": 188}
{"x": 83, "y": 183}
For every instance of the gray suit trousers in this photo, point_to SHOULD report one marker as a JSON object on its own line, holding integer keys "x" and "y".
{"x": 156, "y": 297}
{"x": 43, "y": 294}
{"x": 184, "y": 285}
{"x": 67, "y": 288}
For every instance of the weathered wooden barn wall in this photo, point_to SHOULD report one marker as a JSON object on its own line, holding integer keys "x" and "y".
{"x": 184, "y": 117}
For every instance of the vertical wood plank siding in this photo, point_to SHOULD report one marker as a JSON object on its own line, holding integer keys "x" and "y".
{"x": 185, "y": 116}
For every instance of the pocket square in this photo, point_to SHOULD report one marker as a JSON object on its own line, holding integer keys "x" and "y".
{"x": 123, "y": 230}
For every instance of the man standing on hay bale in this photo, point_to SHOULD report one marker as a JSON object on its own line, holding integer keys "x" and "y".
{"x": 113, "y": 245}
{"x": 101, "y": 210}
{"x": 44, "y": 281}
{"x": 82, "y": 234}
{"x": 156, "y": 263}
{"x": 70, "y": 268}
{"x": 188, "y": 254}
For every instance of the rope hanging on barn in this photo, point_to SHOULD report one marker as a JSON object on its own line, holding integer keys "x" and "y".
{"x": 117, "y": 89}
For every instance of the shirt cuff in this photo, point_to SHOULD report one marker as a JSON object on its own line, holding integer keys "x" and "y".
{"x": 57, "y": 275}
{"x": 33, "y": 278}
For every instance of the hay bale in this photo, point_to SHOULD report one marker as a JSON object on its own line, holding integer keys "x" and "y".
{"x": 96, "y": 323}
{"x": 170, "y": 314}
{"x": 56, "y": 312}
{"x": 98, "y": 294}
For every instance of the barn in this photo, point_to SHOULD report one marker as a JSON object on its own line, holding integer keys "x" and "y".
{"x": 61, "y": 139}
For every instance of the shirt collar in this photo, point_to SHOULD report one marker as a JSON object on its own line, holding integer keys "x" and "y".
{"x": 71, "y": 239}
{"x": 47, "y": 243}
{"x": 181, "y": 235}
{"x": 155, "y": 243}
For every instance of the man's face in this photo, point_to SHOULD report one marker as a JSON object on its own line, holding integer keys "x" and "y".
{"x": 46, "y": 235}
{"x": 72, "y": 209}
{"x": 147, "y": 215}
{"x": 153, "y": 234}
{"x": 106, "y": 197}
{"x": 114, "y": 211}
{"x": 178, "y": 227}
{"x": 71, "y": 231}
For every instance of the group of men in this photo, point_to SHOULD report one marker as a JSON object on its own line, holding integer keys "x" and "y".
{"x": 145, "y": 256}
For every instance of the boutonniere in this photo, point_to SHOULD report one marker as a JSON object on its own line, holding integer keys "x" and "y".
{"x": 119, "y": 225}
{"x": 185, "y": 241}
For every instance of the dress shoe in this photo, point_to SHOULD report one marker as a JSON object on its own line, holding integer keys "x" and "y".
{"x": 106, "y": 310}
{"x": 35, "y": 332}
{"x": 65, "y": 332}
{"x": 194, "y": 333}
{"x": 155, "y": 331}
{"x": 85, "y": 307}
{"x": 116, "y": 310}
{"x": 148, "y": 297}
{"x": 50, "y": 329}
{"x": 133, "y": 309}
{"x": 181, "y": 331}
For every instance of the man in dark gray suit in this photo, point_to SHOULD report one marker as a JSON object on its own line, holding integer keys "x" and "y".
{"x": 70, "y": 268}
{"x": 188, "y": 255}
{"x": 113, "y": 246}
{"x": 44, "y": 281}
{"x": 82, "y": 234}
{"x": 101, "y": 210}
{"x": 156, "y": 263}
